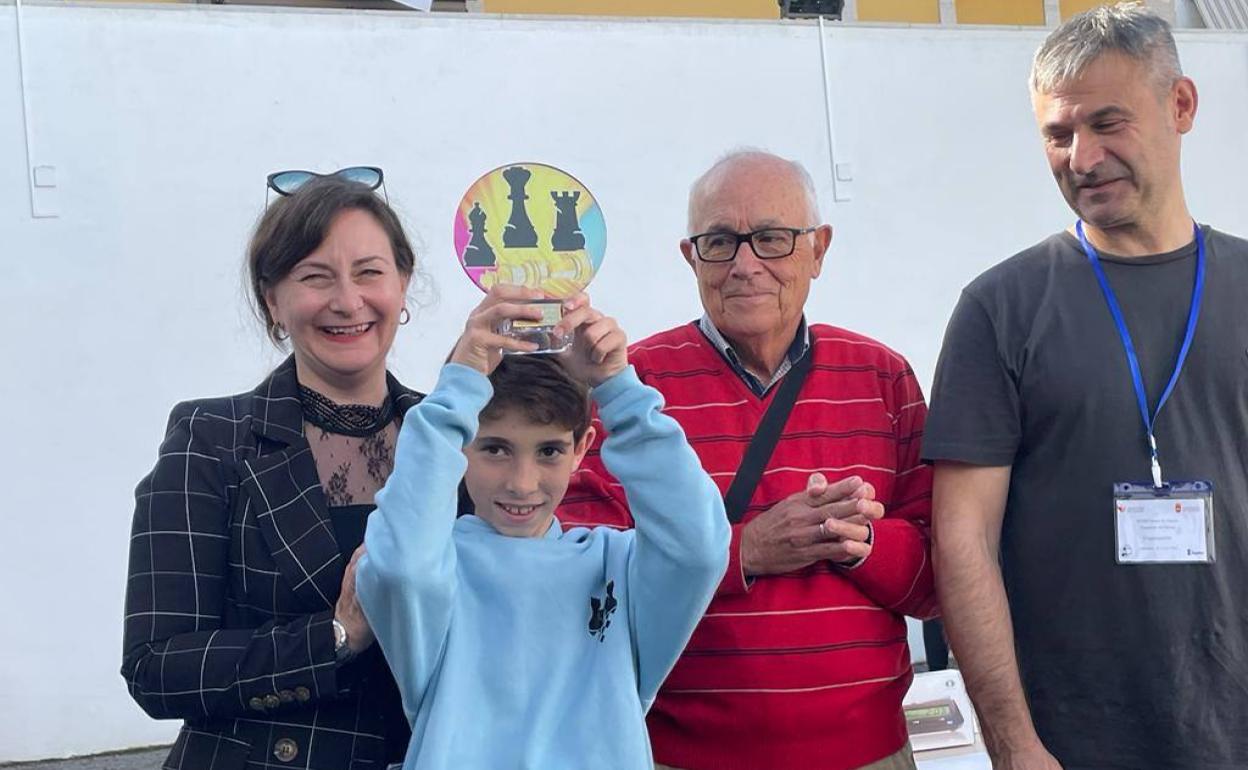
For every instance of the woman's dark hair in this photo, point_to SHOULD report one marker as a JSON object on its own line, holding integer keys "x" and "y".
{"x": 294, "y": 226}
{"x": 541, "y": 389}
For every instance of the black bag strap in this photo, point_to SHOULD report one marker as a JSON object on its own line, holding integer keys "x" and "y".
{"x": 758, "y": 453}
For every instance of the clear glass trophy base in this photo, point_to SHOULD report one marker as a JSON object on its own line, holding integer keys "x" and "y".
{"x": 542, "y": 332}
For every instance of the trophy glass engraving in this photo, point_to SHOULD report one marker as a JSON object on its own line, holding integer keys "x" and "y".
{"x": 534, "y": 225}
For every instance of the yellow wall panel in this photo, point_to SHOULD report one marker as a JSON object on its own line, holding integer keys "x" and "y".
{"x": 1069, "y": 8}
{"x": 730, "y": 9}
{"x": 1000, "y": 12}
{"x": 913, "y": 11}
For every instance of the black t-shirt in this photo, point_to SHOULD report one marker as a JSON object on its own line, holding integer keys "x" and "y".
{"x": 1141, "y": 666}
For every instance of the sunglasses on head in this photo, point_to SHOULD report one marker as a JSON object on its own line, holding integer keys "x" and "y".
{"x": 287, "y": 182}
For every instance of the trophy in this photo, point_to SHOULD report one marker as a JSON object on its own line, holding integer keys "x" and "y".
{"x": 530, "y": 224}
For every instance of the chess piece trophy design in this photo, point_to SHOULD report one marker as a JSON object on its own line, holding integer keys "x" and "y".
{"x": 479, "y": 252}
{"x": 519, "y": 232}
{"x": 567, "y": 235}
{"x": 554, "y": 240}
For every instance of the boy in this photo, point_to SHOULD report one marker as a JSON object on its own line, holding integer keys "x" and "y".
{"x": 517, "y": 645}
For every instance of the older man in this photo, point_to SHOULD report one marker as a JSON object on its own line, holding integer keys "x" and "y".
{"x": 1090, "y": 431}
{"x": 801, "y": 660}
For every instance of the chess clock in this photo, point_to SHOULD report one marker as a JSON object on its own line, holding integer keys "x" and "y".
{"x": 534, "y": 225}
{"x": 937, "y": 716}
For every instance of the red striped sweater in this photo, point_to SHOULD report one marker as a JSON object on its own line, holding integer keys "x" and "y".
{"x": 807, "y": 669}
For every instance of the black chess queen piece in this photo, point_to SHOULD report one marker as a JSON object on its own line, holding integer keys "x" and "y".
{"x": 519, "y": 232}
{"x": 567, "y": 235}
{"x": 478, "y": 253}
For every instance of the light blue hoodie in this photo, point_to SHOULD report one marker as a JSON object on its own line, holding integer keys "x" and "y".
{"x": 545, "y": 652}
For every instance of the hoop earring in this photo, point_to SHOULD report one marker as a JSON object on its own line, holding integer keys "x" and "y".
{"x": 279, "y": 332}
{"x": 404, "y": 316}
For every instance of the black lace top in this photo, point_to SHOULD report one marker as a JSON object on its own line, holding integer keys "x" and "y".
{"x": 353, "y": 446}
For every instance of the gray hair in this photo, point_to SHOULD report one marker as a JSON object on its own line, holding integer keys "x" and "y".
{"x": 1129, "y": 29}
{"x": 745, "y": 154}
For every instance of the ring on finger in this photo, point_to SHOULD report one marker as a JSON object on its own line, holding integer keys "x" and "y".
{"x": 823, "y": 529}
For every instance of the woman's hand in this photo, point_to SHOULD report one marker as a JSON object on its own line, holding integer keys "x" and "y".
{"x": 599, "y": 348}
{"x": 481, "y": 347}
{"x": 347, "y": 611}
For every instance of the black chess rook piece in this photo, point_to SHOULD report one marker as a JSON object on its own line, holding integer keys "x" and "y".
{"x": 519, "y": 232}
{"x": 567, "y": 235}
{"x": 478, "y": 253}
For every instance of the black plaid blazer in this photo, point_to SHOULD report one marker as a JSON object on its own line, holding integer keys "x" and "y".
{"x": 234, "y": 572}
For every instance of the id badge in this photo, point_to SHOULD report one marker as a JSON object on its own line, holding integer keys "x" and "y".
{"x": 1172, "y": 524}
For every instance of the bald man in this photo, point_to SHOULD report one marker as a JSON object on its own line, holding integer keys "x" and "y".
{"x": 801, "y": 660}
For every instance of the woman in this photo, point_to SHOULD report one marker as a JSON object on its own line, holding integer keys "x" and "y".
{"x": 241, "y": 616}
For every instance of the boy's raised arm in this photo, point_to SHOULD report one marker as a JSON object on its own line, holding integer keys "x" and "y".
{"x": 406, "y": 577}
{"x": 682, "y": 535}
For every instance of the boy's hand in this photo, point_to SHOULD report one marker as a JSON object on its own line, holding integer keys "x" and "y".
{"x": 481, "y": 346}
{"x": 599, "y": 348}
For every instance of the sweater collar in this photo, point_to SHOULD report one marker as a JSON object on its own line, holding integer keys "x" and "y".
{"x": 797, "y": 349}
{"x": 474, "y": 523}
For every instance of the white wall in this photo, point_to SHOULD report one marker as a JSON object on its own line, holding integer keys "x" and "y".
{"x": 162, "y": 122}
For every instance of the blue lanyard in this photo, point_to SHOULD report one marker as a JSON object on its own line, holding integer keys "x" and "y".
{"x": 1198, "y": 290}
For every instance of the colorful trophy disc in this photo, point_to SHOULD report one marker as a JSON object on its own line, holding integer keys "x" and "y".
{"x": 530, "y": 224}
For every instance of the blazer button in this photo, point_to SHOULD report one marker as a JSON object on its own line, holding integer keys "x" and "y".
{"x": 303, "y": 694}
{"x": 286, "y": 696}
{"x": 272, "y": 701}
{"x": 285, "y": 750}
{"x": 256, "y": 704}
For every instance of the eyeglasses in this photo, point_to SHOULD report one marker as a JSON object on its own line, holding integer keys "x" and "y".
{"x": 286, "y": 182}
{"x": 768, "y": 243}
